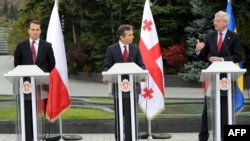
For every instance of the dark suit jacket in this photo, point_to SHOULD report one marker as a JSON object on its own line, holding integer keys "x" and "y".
{"x": 45, "y": 59}
{"x": 231, "y": 48}
{"x": 114, "y": 55}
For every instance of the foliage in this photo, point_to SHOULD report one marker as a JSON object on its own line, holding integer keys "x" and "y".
{"x": 32, "y": 11}
{"x": 192, "y": 71}
{"x": 175, "y": 56}
{"x": 79, "y": 56}
{"x": 94, "y": 23}
{"x": 242, "y": 16}
{"x": 170, "y": 17}
{"x": 196, "y": 30}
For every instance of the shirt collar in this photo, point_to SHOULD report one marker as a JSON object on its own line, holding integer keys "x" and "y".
{"x": 36, "y": 41}
{"x": 223, "y": 32}
{"x": 122, "y": 45}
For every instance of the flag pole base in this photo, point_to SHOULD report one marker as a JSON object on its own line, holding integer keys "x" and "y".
{"x": 52, "y": 138}
{"x": 143, "y": 135}
{"x": 72, "y": 137}
{"x": 155, "y": 136}
{"x": 161, "y": 136}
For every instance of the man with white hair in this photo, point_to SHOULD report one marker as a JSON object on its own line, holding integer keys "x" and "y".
{"x": 220, "y": 45}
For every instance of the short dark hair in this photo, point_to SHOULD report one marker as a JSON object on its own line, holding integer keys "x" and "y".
{"x": 34, "y": 22}
{"x": 122, "y": 28}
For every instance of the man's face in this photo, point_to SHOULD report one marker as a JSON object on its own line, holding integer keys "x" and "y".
{"x": 128, "y": 38}
{"x": 34, "y": 31}
{"x": 219, "y": 23}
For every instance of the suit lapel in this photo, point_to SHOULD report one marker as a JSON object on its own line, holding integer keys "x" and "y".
{"x": 27, "y": 47}
{"x": 214, "y": 46}
{"x": 40, "y": 49}
{"x": 225, "y": 41}
{"x": 119, "y": 52}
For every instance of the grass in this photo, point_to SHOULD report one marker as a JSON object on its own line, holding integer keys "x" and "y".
{"x": 174, "y": 108}
{"x": 3, "y": 97}
{"x": 80, "y": 113}
{"x": 91, "y": 113}
{"x": 7, "y": 113}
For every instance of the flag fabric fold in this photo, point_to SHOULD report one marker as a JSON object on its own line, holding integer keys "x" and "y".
{"x": 239, "y": 98}
{"x": 231, "y": 23}
{"x": 151, "y": 98}
{"x": 58, "y": 96}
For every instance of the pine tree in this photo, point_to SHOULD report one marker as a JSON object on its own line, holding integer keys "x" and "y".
{"x": 197, "y": 29}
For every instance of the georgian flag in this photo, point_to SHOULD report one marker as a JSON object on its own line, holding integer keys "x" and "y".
{"x": 151, "y": 99}
{"x": 58, "y": 97}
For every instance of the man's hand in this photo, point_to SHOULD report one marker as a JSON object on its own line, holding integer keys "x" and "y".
{"x": 215, "y": 59}
{"x": 199, "y": 45}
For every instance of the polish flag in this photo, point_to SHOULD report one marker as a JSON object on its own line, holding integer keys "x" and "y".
{"x": 151, "y": 99}
{"x": 58, "y": 97}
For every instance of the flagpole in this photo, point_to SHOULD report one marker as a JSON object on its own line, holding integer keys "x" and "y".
{"x": 149, "y": 130}
{"x": 154, "y": 91}
{"x": 60, "y": 117}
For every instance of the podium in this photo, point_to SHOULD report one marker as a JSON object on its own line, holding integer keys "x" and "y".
{"x": 124, "y": 77}
{"x": 27, "y": 81}
{"x": 221, "y": 76}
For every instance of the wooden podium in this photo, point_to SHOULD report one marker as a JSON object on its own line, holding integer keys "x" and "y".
{"x": 218, "y": 85}
{"x": 124, "y": 77}
{"x": 31, "y": 88}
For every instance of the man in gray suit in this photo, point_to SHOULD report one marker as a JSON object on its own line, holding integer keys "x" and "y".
{"x": 42, "y": 55}
{"x": 121, "y": 52}
{"x": 220, "y": 45}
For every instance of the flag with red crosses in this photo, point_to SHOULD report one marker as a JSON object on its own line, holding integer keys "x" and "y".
{"x": 151, "y": 99}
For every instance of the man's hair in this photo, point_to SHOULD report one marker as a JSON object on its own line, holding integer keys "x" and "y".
{"x": 34, "y": 22}
{"x": 223, "y": 15}
{"x": 122, "y": 28}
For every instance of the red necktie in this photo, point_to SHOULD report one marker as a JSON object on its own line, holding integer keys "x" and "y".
{"x": 33, "y": 52}
{"x": 125, "y": 54}
{"x": 220, "y": 42}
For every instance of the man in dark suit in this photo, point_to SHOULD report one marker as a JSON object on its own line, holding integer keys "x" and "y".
{"x": 212, "y": 50}
{"x": 115, "y": 54}
{"x": 42, "y": 55}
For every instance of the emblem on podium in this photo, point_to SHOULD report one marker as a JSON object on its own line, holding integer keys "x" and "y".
{"x": 125, "y": 85}
{"x": 26, "y": 87}
{"x": 224, "y": 84}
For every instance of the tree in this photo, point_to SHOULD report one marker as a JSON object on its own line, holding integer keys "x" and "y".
{"x": 94, "y": 23}
{"x": 5, "y": 7}
{"x": 197, "y": 29}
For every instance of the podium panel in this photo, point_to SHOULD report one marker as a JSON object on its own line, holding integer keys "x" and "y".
{"x": 30, "y": 92}
{"x": 220, "y": 96}
{"x": 125, "y": 89}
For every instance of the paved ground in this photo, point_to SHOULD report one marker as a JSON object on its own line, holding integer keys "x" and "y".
{"x": 110, "y": 137}
{"x": 82, "y": 88}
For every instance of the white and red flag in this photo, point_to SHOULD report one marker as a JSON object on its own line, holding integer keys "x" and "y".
{"x": 151, "y": 99}
{"x": 58, "y": 97}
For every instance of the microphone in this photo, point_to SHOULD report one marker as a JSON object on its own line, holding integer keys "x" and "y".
{"x": 228, "y": 53}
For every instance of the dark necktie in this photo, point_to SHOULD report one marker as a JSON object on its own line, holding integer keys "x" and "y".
{"x": 33, "y": 51}
{"x": 220, "y": 42}
{"x": 125, "y": 54}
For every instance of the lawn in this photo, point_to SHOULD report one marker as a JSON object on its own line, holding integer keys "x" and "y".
{"x": 174, "y": 108}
